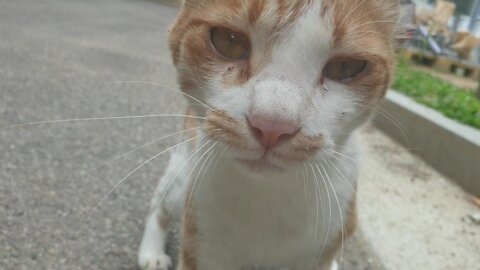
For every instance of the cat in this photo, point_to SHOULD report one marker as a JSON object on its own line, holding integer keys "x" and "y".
{"x": 268, "y": 180}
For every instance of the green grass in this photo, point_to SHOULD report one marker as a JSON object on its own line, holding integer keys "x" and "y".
{"x": 452, "y": 101}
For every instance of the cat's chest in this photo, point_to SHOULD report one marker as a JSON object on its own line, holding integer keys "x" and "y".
{"x": 256, "y": 227}
{"x": 261, "y": 241}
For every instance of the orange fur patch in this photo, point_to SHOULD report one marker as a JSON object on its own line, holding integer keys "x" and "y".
{"x": 351, "y": 225}
{"x": 188, "y": 245}
{"x": 365, "y": 29}
{"x": 289, "y": 11}
{"x": 224, "y": 128}
{"x": 255, "y": 10}
{"x": 188, "y": 254}
{"x": 302, "y": 147}
{"x": 189, "y": 124}
{"x": 164, "y": 222}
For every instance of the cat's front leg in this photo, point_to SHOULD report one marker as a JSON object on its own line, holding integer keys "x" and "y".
{"x": 333, "y": 265}
{"x": 151, "y": 255}
{"x": 152, "y": 249}
{"x": 168, "y": 195}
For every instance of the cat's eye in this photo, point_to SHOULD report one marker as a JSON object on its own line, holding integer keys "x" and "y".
{"x": 229, "y": 43}
{"x": 344, "y": 69}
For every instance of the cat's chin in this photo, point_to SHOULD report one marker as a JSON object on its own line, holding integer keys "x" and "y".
{"x": 259, "y": 166}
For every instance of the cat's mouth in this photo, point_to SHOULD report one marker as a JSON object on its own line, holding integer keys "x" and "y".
{"x": 260, "y": 165}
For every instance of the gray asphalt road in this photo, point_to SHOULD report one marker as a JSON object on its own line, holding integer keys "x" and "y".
{"x": 69, "y": 59}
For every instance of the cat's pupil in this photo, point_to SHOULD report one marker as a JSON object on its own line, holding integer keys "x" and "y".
{"x": 232, "y": 40}
{"x": 229, "y": 43}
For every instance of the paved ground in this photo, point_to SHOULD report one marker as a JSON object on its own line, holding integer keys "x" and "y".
{"x": 412, "y": 216}
{"x": 66, "y": 59}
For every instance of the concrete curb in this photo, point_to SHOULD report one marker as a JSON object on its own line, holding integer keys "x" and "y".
{"x": 452, "y": 148}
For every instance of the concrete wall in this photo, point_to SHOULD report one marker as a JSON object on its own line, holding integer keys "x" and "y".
{"x": 450, "y": 147}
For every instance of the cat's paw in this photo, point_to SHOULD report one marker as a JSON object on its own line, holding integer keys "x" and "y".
{"x": 334, "y": 266}
{"x": 151, "y": 261}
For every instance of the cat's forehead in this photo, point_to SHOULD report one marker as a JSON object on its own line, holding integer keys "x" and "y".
{"x": 281, "y": 12}
{"x": 248, "y": 13}
{"x": 344, "y": 20}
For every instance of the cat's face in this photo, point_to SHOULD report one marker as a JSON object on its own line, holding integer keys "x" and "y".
{"x": 288, "y": 79}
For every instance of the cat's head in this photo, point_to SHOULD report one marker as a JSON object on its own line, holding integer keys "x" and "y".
{"x": 287, "y": 79}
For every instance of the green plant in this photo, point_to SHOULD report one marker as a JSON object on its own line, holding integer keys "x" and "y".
{"x": 452, "y": 101}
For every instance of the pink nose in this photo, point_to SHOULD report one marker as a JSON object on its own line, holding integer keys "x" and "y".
{"x": 270, "y": 133}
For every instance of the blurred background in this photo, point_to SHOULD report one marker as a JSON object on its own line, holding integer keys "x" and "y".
{"x": 445, "y": 39}
{"x": 99, "y": 73}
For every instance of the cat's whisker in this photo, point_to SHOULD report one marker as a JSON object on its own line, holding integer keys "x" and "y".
{"x": 202, "y": 178}
{"x": 346, "y": 17}
{"x": 398, "y": 205}
{"x": 390, "y": 198}
{"x": 395, "y": 123}
{"x": 317, "y": 194}
{"x": 340, "y": 213}
{"x": 216, "y": 158}
{"x": 102, "y": 119}
{"x": 192, "y": 187}
{"x": 372, "y": 22}
{"x": 132, "y": 172}
{"x": 185, "y": 163}
{"x": 354, "y": 161}
{"x": 305, "y": 187}
{"x": 220, "y": 158}
{"x": 331, "y": 164}
{"x": 209, "y": 152}
{"x": 143, "y": 146}
{"x": 329, "y": 209}
{"x": 405, "y": 148}
{"x": 353, "y": 34}
{"x": 342, "y": 176}
{"x": 297, "y": 178}
{"x": 365, "y": 16}
{"x": 173, "y": 89}
{"x": 342, "y": 10}
{"x": 349, "y": 158}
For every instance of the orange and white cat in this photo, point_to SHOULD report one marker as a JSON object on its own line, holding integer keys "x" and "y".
{"x": 283, "y": 85}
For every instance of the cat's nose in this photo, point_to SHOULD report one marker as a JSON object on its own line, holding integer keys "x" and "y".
{"x": 271, "y": 133}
